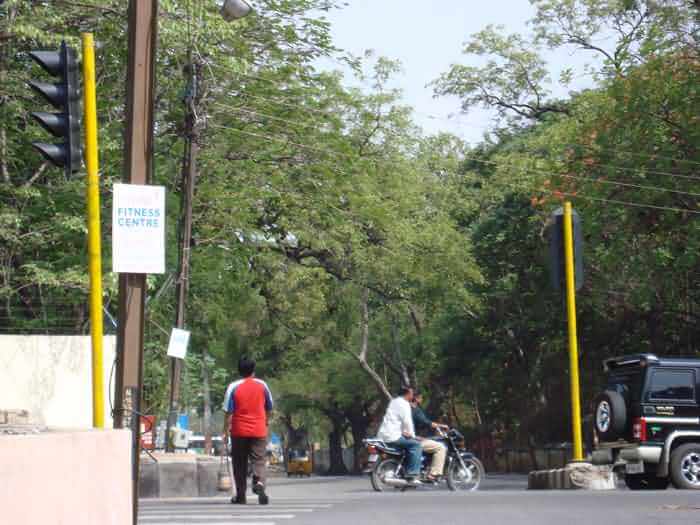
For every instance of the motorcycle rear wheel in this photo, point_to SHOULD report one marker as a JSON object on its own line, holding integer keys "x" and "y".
{"x": 461, "y": 479}
{"x": 380, "y": 471}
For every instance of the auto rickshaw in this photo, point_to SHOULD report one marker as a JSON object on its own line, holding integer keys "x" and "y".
{"x": 299, "y": 462}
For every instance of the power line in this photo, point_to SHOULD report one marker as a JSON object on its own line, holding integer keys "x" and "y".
{"x": 627, "y": 203}
{"x": 556, "y": 193}
{"x": 616, "y": 167}
{"x": 642, "y": 168}
{"x": 284, "y": 141}
{"x": 573, "y": 144}
{"x": 633, "y": 154}
{"x": 263, "y": 115}
{"x": 601, "y": 165}
{"x": 474, "y": 159}
{"x": 582, "y": 177}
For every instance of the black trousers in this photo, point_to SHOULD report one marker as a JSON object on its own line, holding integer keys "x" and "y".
{"x": 242, "y": 449}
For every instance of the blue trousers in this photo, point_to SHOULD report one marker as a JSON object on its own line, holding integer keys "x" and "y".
{"x": 415, "y": 452}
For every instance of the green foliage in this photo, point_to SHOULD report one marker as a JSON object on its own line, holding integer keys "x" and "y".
{"x": 347, "y": 252}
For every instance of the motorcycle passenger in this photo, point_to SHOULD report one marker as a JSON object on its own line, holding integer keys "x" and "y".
{"x": 397, "y": 431}
{"x": 424, "y": 427}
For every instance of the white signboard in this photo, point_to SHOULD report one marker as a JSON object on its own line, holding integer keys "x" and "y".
{"x": 178, "y": 343}
{"x": 138, "y": 229}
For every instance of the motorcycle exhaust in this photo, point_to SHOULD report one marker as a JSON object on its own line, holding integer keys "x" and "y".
{"x": 395, "y": 482}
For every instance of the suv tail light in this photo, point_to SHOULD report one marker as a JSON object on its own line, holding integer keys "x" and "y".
{"x": 639, "y": 429}
{"x": 372, "y": 449}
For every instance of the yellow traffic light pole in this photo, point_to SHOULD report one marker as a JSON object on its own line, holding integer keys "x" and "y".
{"x": 573, "y": 344}
{"x": 94, "y": 242}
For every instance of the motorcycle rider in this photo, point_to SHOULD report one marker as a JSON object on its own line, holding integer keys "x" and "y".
{"x": 424, "y": 427}
{"x": 397, "y": 431}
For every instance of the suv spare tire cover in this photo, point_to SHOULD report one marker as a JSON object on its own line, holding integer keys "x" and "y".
{"x": 610, "y": 415}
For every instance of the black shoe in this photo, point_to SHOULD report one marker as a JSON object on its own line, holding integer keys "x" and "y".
{"x": 259, "y": 489}
{"x": 238, "y": 501}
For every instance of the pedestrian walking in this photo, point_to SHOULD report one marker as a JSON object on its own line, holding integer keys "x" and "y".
{"x": 247, "y": 403}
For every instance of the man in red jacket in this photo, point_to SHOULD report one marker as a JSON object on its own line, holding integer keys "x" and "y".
{"x": 247, "y": 404}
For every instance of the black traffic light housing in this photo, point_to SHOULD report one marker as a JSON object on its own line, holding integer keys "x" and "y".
{"x": 64, "y": 96}
{"x": 555, "y": 235}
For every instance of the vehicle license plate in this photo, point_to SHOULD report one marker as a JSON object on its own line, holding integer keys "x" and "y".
{"x": 373, "y": 457}
{"x": 635, "y": 468}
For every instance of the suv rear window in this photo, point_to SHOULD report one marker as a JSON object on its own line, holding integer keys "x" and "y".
{"x": 676, "y": 385}
{"x": 627, "y": 381}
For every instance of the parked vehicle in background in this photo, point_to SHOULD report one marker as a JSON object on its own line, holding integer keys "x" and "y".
{"x": 196, "y": 446}
{"x": 647, "y": 421}
{"x": 299, "y": 462}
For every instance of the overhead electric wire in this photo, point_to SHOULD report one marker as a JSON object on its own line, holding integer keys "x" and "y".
{"x": 285, "y": 141}
{"x": 556, "y": 193}
{"x": 483, "y": 161}
{"x": 553, "y": 192}
{"x": 263, "y": 115}
{"x": 571, "y": 144}
{"x": 329, "y": 116}
{"x": 621, "y": 168}
{"x": 581, "y": 177}
{"x": 589, "y": 179}
{"x": 586, "y": 146}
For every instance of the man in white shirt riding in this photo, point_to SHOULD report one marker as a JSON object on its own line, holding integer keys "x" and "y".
{"x": 397, "y": 431}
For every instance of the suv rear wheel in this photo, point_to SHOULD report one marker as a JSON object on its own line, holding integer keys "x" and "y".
{"x": 685, "y": 466}
{"x": 610, "y": 417}
{"x": 647, "y": 481}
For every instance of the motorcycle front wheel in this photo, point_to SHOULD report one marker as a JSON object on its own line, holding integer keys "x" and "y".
{"x": 382, "y": 470}
{"x": 468, "y": 478}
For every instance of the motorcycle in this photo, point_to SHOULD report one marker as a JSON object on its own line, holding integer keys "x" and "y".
{"x": 386, "y": 467}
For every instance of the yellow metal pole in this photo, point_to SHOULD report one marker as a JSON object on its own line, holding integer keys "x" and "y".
{"x": 573, "y": 345}
{"x": 94, "y": 243}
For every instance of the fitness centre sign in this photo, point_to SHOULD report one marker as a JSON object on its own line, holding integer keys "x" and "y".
{"x": 138, "y": 229}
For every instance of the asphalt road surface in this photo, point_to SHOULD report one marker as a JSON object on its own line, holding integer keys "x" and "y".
{"x": 501, "y": 500}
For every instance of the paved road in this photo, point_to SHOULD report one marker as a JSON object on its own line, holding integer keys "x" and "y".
{"x": 502, "y": 500}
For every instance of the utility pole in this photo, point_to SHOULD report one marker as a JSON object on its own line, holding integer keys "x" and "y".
{"x": 138, "y": 169}
{"x": 189, "y": 178}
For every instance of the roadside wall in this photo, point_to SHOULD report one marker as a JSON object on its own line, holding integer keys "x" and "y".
{"x": 520, "y": 460}
{"x": 76, "y": 478}
{"x": 322, "y": 460}
{"x": 51, "y": 378}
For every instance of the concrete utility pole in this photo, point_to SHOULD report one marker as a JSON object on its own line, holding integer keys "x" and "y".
{"x": 189, "y": 178}
{"x": 138, "y": 169}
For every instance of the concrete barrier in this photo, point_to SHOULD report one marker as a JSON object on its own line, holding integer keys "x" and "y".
{"x": 574, "y": 476}
{"x": 76, "y": 477}
{"x": 179, "y": 475}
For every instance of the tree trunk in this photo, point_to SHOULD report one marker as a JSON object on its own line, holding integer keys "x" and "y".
{"x": 364, "y": 346}
{"x": 206, "y": 394}
{"x": 358, "y": 426}
{"x": 335, "y": 445}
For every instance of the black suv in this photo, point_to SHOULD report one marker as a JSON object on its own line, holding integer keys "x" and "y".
{"x": 647, "y": 421}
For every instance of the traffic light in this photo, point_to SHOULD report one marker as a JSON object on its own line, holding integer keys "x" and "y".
{"x": 64, "y": 96}
{"x": 555, "y": 234}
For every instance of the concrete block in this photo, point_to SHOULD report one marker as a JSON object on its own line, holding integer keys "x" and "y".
{"x": 14, "y": 417}
{"x": 149, "y": 480}
{"x": 592, "y": 477}
{"x": 178, "y": 479}
{"x": 573, "y": 476}
{"x": 207, "y": 476}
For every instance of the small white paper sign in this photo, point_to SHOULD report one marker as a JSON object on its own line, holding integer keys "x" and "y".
{"x": 177, "y": 347}
{"x": 138, "y": 229}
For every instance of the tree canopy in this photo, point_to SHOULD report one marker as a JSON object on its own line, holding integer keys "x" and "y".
{"x": 347, "y": 251}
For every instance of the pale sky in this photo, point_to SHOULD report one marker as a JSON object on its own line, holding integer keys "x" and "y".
{"x": 427, "y": 36}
